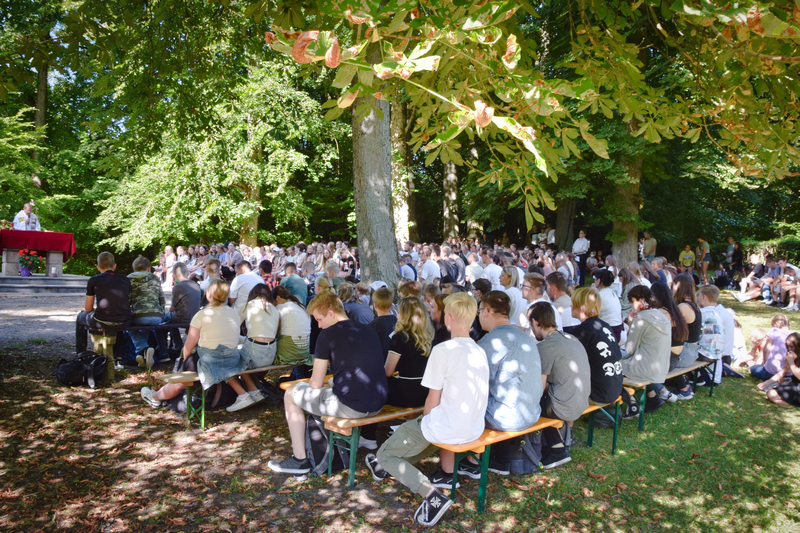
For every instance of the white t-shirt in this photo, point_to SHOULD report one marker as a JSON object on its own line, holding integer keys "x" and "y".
{"x": 241, "y": 287}
{"x": 218, "y": 325}
{"x": 473, "y": 272}
{"x": 430, "y": 271}
{"x": 729, "y": 328}
{"x": 551, "y": 236}
{"x": 295, "y": 322}
{"x": 492, "y": 273}
{"x": 611, "y": 310}
{"x": 460, "y": 370}
{"x": 519, "y": 307}
{"x": 260, "y": 323}
{"x": 406, "y": 272}
{"x": 581, "y": 243}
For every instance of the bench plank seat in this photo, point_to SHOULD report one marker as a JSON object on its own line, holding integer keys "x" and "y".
{"x": 673, "y": 374}
{"x": 190, "y": 378}
{"x": 344, "y": 426}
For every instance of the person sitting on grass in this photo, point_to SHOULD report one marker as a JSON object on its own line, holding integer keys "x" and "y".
{"x": 778, "y": 390}
{"x": 773, "y": 352}
{"x": 566, "y": 377}
{"x": 112, "y": 292}
{"x": 359, "y": 386}
{"x": 758, "y": 337}
{"x": 457, "y": 376}
{"x": 214, "y": 331}
{"x": 147, "y": 308}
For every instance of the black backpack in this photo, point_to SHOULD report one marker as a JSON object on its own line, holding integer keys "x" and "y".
{"x": 317, "y": 448}
{"x": 88, "y": 368}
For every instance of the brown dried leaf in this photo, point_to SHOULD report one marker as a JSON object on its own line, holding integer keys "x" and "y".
{"x": 301, "y": 44}
{"x": 334, "y": 55}
{"x": 483, "y": 115}
{"x": 269, "y": 37}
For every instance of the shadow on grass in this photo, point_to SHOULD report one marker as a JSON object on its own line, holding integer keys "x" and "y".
{"x": 103, "y": 460}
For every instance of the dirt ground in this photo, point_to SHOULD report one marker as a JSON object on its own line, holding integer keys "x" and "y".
{"x": 102, "y": 460}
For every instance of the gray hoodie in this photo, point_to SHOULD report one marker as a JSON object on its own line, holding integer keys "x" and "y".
{"x": 648, "y": 347}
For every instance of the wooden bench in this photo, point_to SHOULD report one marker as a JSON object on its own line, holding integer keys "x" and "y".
{"x": 482, "y": 446}
{"x": 190, "y": 378}
{"x": 673, "y": 374}
{"x": 349, "y": 429}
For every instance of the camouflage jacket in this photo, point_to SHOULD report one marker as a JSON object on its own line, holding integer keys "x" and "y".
{"x": 147, "y": 298}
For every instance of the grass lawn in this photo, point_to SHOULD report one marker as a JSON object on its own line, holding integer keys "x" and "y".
{"x": 82, "y": 460}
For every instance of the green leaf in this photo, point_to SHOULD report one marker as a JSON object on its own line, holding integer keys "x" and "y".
{"x": 344, "y": 76}
{"x": 598, "y": 146}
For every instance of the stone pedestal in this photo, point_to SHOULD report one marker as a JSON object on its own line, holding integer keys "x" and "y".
{"x": 55, "y": 264}
{"x": 10, "y": 265}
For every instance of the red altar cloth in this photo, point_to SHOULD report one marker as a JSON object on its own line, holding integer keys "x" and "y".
{"x": 39, "y": 241}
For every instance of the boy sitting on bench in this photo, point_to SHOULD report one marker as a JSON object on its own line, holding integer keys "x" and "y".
{"x": 112, "y": 292}
{"x": 457, "y": 375}
{"x": 359, "y": 386}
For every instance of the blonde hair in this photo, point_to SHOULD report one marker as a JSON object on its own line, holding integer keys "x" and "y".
{"x": 711, "y": 292}
{"x": 382, "y": 298}
{"x": 324, "y": 302}
{"x": 324, "y": 283}
{"x": 412, "y": 320}
{"x": 587, "y": 299}
{"x": 462, "y": 307}
{"x": 217, "y": 292}
{"x": 408, "y": 288}
{"x": 513, "y": 276}
{"x": 346, "y": 292}
{"x": 779, "y": 321}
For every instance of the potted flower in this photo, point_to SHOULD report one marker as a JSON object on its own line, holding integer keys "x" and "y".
{"x": 29, "y": 262}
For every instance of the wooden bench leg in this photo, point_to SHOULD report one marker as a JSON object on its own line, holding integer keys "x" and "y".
{"x": 616, "y": 427}
{"x": 352, "y": 446}
{"x": 642, "y": 401}
{"x": 191, "y": 412}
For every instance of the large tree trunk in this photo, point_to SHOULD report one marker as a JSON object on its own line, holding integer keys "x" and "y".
{"x": 565, "y": 216}
{"x": 628, "y": 202}
{"x": 450, "y": 211}
{"x": 249, "y": 231}
{"x": 40, "y": 115}
{"x": 400, "y": 172}
{"x": 372, "y": 191}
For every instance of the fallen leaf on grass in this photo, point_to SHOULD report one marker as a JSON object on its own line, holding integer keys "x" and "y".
{"x": 718, "y": 434}
{"x": 588, "y": 492}
{"x": 621, "y": 486}
{"x": 601, "y": 477}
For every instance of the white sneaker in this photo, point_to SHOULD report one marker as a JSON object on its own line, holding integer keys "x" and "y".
{"x": 148, "y": 358}
{"x": 667, "y": 396}
{"x": 739, "y": 296}
{"x": 242, "y": 401}
{"x": 257, "y": 396}
{"x": 147, "y": 395}
{"x": 367, "y": 443}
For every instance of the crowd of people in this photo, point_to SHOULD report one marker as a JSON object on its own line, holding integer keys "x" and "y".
{"x": 480, "y": 335}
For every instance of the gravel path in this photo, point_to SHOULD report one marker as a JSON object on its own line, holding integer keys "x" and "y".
{"x": 41, "y": 318}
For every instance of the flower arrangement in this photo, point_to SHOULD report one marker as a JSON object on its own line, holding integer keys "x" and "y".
{"x": 5, "y": 224}
{"x": 30, "y": 260}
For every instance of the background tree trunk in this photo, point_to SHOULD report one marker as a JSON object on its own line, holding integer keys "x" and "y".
{"x": 565, "y": 216}
{"x": 400, "y": 172}
{"x": 628, "y": 203}
{"x": 40, "y": 115}
{"x": 450, "y": 211}
{"x": 372, "y": 191}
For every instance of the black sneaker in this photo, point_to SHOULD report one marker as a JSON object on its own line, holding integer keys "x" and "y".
{"x": 631, "y": 412}
{"x": 291, "y": 465}
{"x": 469, "y": 469}
{"x": 375, "y": 468}
{"x": 432, "y": 509}
{"x": 555, "y": 457}
{"x": 498, "y": 467}
{"x": 442, "y": 480}
{"x": 651, "y": 404}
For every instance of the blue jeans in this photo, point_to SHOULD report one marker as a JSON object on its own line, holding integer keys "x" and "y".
{"x": 174, "y": 334}
{"x": 760, "y": 372}
{"x": 140, "y": 337}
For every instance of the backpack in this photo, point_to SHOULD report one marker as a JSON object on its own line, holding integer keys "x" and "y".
{"x": 88, "y": 368}
{"x": 317, "y": 448}
{"x": 521, "y": 454}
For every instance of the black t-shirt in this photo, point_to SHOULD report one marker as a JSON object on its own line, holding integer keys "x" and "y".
{"x": 359, "y": 312}
{"x": 349, "y": 264}
{"x": 384, "y": 326}
{"x": 461, "y": 269}
{"x": 186, "y": 299}
{"x": 759, "y": 271}
{"x": 601, "y": 346}
{"x": 406, "y": 389}
{"x": 354, "y": 352}
{"x": 111, "y": 296}
{"x": 441, "y": 333}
